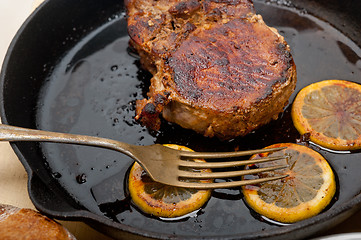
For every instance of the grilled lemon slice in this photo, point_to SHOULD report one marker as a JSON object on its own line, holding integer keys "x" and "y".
{"x": 162, "y": 200}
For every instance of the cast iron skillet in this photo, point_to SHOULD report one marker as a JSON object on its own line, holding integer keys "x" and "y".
{"x": 46, "y": 83}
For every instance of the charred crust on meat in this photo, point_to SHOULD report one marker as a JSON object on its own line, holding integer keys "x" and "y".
{"x": 214, "y": 15}
{"x": 185, "y": 8}
{"x": 148, "y": 114}
{"x": 160, "y": 99}
{"x": 217, "y": 67}
{"x": 231, "y": 2}
{"x": 189, "y": 27}
{"x": 148, "y": 111}
{"x": 225, "y": 67}
{"x": 150, "y": 108}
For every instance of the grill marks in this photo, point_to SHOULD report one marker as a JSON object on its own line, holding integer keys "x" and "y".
{"x": 219, "y": 63}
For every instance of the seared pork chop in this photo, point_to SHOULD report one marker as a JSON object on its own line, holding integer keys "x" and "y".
{"x": 217, "y": 67}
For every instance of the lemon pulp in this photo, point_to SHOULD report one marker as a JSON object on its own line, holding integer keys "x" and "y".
{"x": 330, "y": 112}
{"x": 308, "y": 189}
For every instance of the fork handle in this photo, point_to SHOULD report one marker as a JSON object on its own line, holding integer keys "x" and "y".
{"x": 12, "y": 133}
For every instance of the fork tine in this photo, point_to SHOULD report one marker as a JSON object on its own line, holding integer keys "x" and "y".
{"x": 207, "y": 155}
{"x": 227, "y": 184}
{"x": 191, "y": 164}
{"x": 208, "y": 175}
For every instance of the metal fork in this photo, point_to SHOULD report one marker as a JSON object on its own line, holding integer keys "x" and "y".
{"x": 163, "y": 164}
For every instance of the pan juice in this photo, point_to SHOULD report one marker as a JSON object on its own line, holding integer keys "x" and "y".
{"x": 93, "y": 88}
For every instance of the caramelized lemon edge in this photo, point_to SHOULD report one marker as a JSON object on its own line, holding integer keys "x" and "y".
{"x": 157, "y": 207}
{"x": 304, "y": 210}
{"x": 303, "y": 126}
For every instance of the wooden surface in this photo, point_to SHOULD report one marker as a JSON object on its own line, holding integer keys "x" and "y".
{"x": 13, "y": 178}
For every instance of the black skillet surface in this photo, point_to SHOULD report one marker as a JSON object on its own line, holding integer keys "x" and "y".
{"x": 69, "y": 69}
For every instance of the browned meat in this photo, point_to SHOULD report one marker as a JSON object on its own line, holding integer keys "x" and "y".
{"x": 217, "y": 67}
{"x": 22, "y": 223}
{"x": 158, "y": 26}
